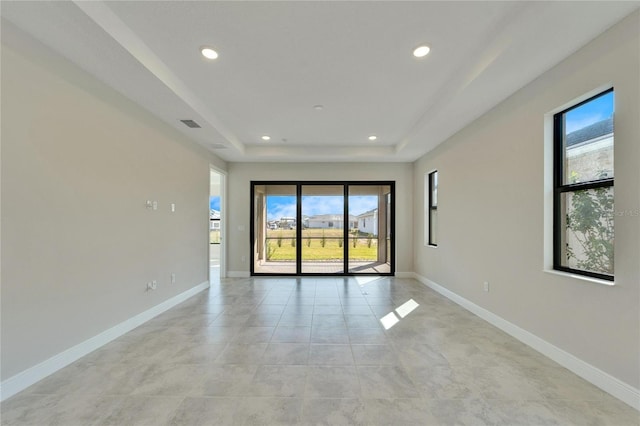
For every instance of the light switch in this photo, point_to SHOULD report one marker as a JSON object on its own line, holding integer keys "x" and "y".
{"x": 173, "y": 207}
{"x": 155, "y": 205}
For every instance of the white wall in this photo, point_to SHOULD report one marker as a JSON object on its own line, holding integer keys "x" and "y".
{"x": 241, "y": 175}
{"x": 78, "y": 245}
{"x": 491, "y": 212}
{"x": 369, "y": 224}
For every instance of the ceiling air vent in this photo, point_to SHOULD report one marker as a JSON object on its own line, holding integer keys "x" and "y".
{"x": 190, "y": 123}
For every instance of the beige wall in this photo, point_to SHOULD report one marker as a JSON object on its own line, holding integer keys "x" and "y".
{"x": 78, "y": 245}
{"x": 491, "y": 210}
{"x": 241, "y": 174}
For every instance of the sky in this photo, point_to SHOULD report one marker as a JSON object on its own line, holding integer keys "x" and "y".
{"x": 285, "y": 205}
{"x": 214, "y": 203}
{"x": 589, "y": 113}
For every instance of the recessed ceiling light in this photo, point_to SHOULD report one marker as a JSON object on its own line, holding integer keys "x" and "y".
{"x": 208, "y": 52}
{"x": 421, "y": 51}
{"x": 373, "y": 137}
{"x": 318, "y": 107}
{"x": 266, "y": 138}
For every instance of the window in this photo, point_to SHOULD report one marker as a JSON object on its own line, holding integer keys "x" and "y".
{"x": 432, "y": 208}
{"x": 583, "y": 212}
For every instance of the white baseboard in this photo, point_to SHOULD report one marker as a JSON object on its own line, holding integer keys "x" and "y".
{"x": 238, "y": 274}
{"x": 28, "y": 377}
{"x": 623, "y": 391}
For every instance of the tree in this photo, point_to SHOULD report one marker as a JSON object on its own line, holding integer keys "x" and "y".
{"x": 590, "y": 222}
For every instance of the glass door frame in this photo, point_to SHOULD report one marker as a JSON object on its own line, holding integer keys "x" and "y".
{"x": 299, "y": 222}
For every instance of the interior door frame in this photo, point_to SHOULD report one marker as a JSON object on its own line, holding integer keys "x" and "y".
{"x": 223, "y": 223}
{"x": 346, "y": 185}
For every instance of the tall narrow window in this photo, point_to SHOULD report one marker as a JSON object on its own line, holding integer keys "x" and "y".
{"x": 583, "y": 188}
{"x": 433, "y": 208}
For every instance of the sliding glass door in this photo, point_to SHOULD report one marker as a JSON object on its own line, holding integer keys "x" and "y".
{"x": 319, "y": 228}
{"x": 323, "y": 226}
{"x": 370, "y": 237}
{"x": 274, "y": 227}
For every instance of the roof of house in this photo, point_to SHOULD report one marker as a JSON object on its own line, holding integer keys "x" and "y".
{"x": 592, "y": 131}
{"x": 329, "y": 217}
{"x": 367, "y": 213}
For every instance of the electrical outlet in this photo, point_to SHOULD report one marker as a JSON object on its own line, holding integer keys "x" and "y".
{"x": 152, "y": 285}
{"x": 173, "y": 278}
{"x": 486, "y": 286}
{"x": 243, "y": 259}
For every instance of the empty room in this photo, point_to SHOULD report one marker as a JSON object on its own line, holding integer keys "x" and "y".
{"x": 314, "y": 212}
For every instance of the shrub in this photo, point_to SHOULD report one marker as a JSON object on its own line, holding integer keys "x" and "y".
{"x": 270, "y": 251}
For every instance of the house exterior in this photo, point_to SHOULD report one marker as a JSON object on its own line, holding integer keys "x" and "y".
{"x": 214, "y": 220}
{"x": 214, "y": 226}
{"x": 287, "y": 223}
{"x": 329, "y": 221}
{"x": 368, "y": 222}
{"x": 589, "y": 149}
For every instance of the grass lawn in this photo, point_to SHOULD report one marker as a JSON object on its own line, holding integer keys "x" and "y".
{"x": 281, "y": 245}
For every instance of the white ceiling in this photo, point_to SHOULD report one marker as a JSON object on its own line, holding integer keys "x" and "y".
{"x": 279, "y": 59}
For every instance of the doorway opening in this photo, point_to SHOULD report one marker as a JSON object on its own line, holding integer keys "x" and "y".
{"x": 216, "y": 225}
{"x": 320, "y": 228}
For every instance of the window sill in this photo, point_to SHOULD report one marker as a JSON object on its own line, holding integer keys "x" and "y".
{"x": 580, "y": 277}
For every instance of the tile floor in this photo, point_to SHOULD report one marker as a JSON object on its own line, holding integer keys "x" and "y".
{"x": 312, "y": 351}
